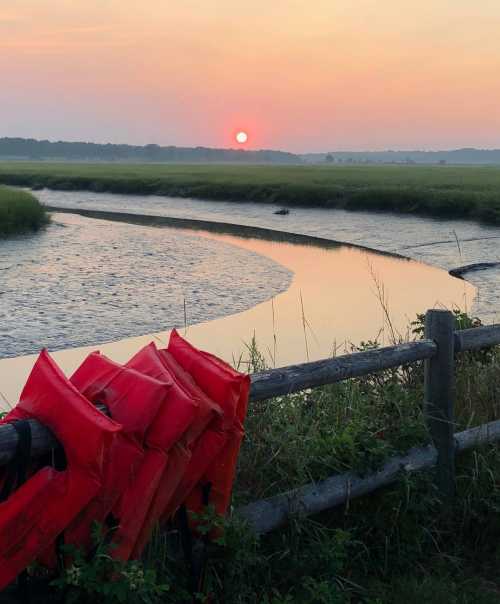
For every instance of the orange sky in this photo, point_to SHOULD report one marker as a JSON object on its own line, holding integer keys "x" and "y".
{"x": 301, "y": 75}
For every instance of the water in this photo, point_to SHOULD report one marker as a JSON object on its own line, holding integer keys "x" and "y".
{"x": 86, "y": 281}
{"x": 429, "y": 240}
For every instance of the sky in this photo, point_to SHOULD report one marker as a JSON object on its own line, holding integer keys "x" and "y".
{"x": 298, "y": 75}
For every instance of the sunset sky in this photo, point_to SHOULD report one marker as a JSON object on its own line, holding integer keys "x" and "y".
{"x": 300, "y": 75}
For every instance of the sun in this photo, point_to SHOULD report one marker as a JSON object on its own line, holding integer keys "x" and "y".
{"x": 241, "y": 137}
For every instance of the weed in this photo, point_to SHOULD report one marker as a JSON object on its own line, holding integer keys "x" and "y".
{"x": 104, "y": 579}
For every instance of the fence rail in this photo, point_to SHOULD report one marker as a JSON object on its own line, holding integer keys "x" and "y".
{"x": 438, "y": 350}
{"x": 268, "y": 514}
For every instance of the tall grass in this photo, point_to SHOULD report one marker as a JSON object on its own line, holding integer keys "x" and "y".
{"x": 20, "y": 212}
{"x": 399, "y": 544}
{"x": 452, "y": 192}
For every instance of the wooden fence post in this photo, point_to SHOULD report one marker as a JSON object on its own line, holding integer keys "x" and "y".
{"x": 440, "y": 396}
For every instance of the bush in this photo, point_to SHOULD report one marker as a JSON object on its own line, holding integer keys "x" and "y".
{"x": 20, "y": 212}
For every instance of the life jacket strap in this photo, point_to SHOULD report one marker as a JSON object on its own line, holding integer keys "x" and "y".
{"x": 17, "y": 468}
{"x": 17, "y": 474}
{"x": 195, "y": 550}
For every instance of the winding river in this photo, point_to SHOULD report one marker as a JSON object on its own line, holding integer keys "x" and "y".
{"x": 88, "y": 282}
{"x": 447, "y": 244}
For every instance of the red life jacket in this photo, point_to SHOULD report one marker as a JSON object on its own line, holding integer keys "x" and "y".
{"x": 231, "y": 390}
{"x": 208, "y": 442}
{"x": 38, "y": 511}
{"x": 178, "y": 459}
{"x": 136, "y": 400}
{"x": 180, "y": 421}
{"x": 180, "y": 416}
{"x": 133, "y": 400}
{"x": 133, "y": 507}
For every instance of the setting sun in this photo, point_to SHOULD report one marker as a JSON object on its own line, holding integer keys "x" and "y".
{"x": 242, "y": 137}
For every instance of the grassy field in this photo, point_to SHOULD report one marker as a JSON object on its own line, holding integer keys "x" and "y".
{"x": 400, "y": 544}
{"x": 444, "y": 191}
{"x": 19, "y": 212}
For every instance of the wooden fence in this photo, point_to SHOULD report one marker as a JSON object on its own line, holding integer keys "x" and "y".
{"x": 438, "y": 349}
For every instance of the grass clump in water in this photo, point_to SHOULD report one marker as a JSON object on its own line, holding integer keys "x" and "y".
{"x": 20, "y": 212}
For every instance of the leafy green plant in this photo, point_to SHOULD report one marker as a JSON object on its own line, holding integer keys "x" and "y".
{"x": 401, "y": 543}
{"x": 104, "y": 579}
{"x": 462, "y": 321}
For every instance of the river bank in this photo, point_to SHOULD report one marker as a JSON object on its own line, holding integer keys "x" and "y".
{"x": 445, "y": 244}
{"x": 302, "y": 298}
{"x": 401, "y": 544}
{"x": 442, "y": 191}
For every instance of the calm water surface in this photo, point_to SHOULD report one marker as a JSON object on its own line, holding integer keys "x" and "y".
{"x": 426, "y": 239}
{"x": 85, "y": 281}
{"x": 97, "y": 281}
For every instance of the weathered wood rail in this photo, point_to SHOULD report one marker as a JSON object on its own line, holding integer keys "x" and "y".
{"x": 437, "y": 349}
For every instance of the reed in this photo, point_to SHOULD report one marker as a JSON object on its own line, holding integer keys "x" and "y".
{"x": 401, "y": 543}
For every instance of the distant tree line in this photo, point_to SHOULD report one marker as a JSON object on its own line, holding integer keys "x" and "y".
{"x": 455, "y": 156}
{"x": 31, "y": 149}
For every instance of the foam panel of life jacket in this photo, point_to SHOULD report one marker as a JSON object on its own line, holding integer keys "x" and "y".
{"x": 133, "y": 506}
{"x": 178, "y": 460}
{"x": 133, "y": 400}
{"x": 37, "y": 512}
{"x": 153, "y": 484}
{"x": 179, "y": 415}
{"x": 181, "y": 418}
{"x": 208, "y": 444}
{"x": 231, "y": 390}
{"x": 136, "y": 400}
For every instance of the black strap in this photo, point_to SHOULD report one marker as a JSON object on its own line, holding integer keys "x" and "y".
{"x": 17, "y": 473}
{"x": 195, "y": 550}
{"x": 205, "y": 493}
{"x": 200, "y": 557}
{"x": 186, "y": 536}
{"x": 17, "y": 468}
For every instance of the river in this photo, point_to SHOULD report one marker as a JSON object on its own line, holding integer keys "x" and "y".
{"x": 87, "y": 282}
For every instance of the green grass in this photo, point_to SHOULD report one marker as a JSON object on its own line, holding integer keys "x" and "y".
{"x": 20, "y": 212}
{"x": 399, "y": 544}
{"x": 444, "y": 191}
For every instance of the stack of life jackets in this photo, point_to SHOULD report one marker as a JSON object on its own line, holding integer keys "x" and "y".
{"x": 167, "y": 444}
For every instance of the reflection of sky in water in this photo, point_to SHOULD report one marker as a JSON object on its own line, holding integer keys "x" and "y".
{"x": 85, "y": 281}
{"x": 335, "y": 288}
{"x": 340, "y": 291}
{"x": 382, "y": 231}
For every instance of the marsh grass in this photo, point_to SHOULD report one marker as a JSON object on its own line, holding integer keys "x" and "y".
{"x": 20, "y": 212}
{"x": 398, "y": 544}
{"x": 449, "y": 192}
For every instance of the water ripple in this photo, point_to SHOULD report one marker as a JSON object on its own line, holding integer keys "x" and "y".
{"x": 84, "y": 281}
